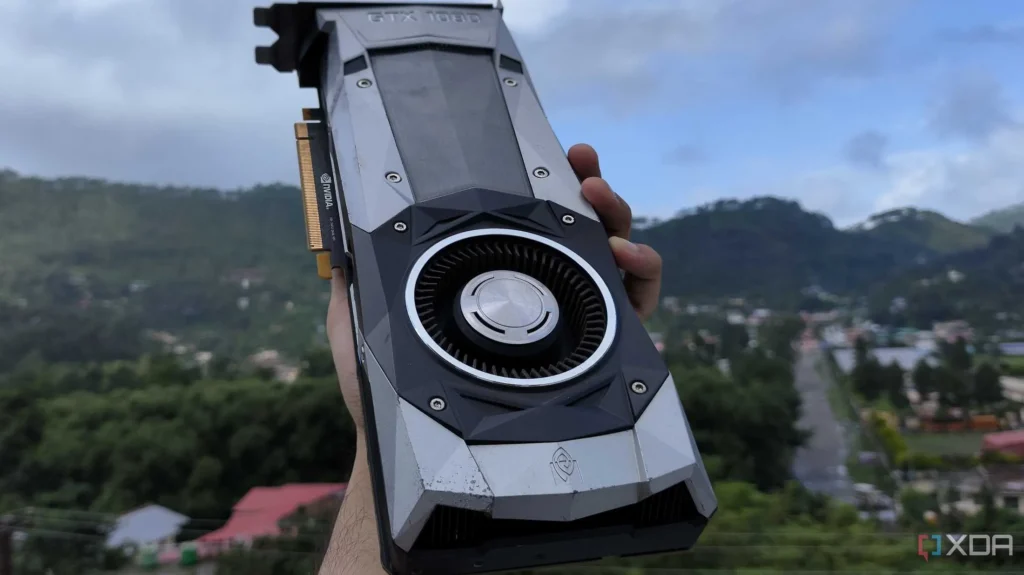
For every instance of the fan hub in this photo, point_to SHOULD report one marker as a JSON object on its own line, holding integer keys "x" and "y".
{"x": 509, "y": 307}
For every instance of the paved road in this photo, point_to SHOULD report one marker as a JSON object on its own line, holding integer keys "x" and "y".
{"x": 821, "y": 464}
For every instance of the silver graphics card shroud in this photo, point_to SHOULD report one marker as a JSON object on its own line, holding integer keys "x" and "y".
{"x": 518, "y": 413}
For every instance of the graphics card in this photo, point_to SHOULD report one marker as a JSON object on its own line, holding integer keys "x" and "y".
{"x": 518, "y": 412}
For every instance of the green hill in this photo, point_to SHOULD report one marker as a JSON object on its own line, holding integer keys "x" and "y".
{"x": 770, "y": 250}
{"x": 982, "y": 285}
{"x": 87, "y": 265}
{"x": 931, "y": 232}
{"x": 1003, "y": 220}
{"x": 88, "y": 260}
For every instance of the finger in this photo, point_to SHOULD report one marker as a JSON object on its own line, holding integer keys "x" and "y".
{"x": 614, "y": 212}
{"x": 643, "y": 274}
{"x": 584, "y": 162}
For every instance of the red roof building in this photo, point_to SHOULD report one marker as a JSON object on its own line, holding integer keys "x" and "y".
{"x": 1008, "y": 442}
{"x": 260, "y": 511}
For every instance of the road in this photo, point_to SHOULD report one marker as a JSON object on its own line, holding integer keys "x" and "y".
{"x": 821, "y": 464}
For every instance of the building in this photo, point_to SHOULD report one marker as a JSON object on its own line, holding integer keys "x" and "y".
{"x": 271, "y": 359}
{"x": 950, "y": 331}
{"x": 1012, "y": 348}
{"x": 260, "y": 512}
{"x": 1007, "y": 482}
{"x": 147, "y": 526}
{"x": 1013, "y": 388}
{"x": 1007, "y": 442}
{"x": 905, "y": 357}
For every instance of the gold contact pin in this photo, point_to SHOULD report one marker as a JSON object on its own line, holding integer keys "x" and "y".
{"x": 323, "y": 265}
{"x": 314, "y": 235}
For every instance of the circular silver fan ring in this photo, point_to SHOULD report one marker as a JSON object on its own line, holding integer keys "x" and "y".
{"x": 607, "y": 339}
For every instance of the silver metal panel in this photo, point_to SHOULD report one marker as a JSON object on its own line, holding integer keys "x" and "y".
{"x": 667, "y": 457}
{"x": 537, "y": 140}
{"x": 561, "y": 481}
{"x": 448, "y": 474}
{"x": 426, "y": 465}
{"x": 364, "y": 142}
{"x": 386, "y": 420}
{"x": 408, "y": 25}
{"x": 383, "y": 5}
{"x": 366, "y": 149}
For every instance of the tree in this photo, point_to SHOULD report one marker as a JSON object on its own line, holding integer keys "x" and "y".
{"x": 64, "y": 542}
{"x": 167, "y": 369}
{"x": 956, "y": 355}
{"x": 318, "y": 363}
{"x": 860, "y": 350}
{"x": 952, "y": 386}
{"x": 894, "y": 378}
{"x": 750, "y": 426}
{"x": 924, "y": 378}
{"x": 223, "y": 368}
{"x": 987, "y": 387}
{"x": 778, "y": 334}
{"x": 868, "y": 379}
{"x": 122, "y": 376}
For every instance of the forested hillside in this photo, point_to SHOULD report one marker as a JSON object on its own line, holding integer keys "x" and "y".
{"x": 982, "y": 285}
{"x": 1003, "y": 220}
{"x": 99, "y": 262}
{"x": 928, "y": 231}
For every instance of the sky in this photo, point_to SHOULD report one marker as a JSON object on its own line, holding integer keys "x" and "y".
{"x": 850, "y": 107}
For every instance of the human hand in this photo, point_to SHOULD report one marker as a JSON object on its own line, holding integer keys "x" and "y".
{"x": 640, "y": 262}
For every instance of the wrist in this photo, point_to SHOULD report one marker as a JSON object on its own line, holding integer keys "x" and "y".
{"x": 360, "y": 444}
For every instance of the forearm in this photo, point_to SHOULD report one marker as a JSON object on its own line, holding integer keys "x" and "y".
{"x": 354, "y": 548}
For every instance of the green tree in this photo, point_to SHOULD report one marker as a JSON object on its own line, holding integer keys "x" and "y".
{"x": 924, "y": 378}
{"x": 957, "y": 356}
{"x": 953, "y": 387}
{"x": 734, "y": 340}
{"x": 894, "y": 379}
{"x": 224, "y": 368}
{"x": 750, "y": 427}
{"x": 167, "y": 369}
{"x": 59, "y": 542}
{"x": 860, "y": 350}
{"x": 318, "y": 362}
{"x": 868, "y": 379}
{"x": 987, "y": 388}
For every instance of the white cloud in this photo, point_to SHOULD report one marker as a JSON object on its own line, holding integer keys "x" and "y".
{"x": 963, "y": 183}
{"x": 959, "y": 181}
{"x": 167, "y": 91}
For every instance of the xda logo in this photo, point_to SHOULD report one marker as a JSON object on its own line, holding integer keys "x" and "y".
{"x": 563, "y": 464}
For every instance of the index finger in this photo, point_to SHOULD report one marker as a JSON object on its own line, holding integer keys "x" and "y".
{"x": 584, "y": 161}
{"x": 613, "y": 211}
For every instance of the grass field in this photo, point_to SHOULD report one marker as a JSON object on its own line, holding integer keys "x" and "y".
{"x": 1014, "y": 364}
{"x": 965, "y": 443}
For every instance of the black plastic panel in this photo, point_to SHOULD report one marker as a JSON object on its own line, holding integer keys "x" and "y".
{"x": 455, "y": 541}
{"x": 597, "y": 403}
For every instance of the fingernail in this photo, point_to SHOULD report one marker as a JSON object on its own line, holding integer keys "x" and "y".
{"x": 625, "y": 244}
